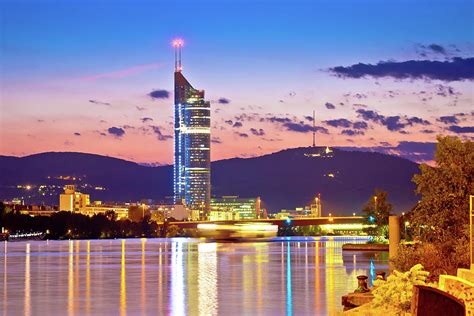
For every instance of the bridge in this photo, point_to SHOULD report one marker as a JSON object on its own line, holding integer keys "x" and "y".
{"x": 298, "y": 221}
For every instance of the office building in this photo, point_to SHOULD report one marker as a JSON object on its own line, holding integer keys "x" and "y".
{"x": 192, "y": 142}
{"x": 235, "y": 208}
{"x": 71, "y": 200}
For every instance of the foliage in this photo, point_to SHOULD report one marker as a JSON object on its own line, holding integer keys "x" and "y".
{"x": 377, "y": 210}
{"x": 442, "y": 214}
{"x": 396, "y": 292}
{"x": 63, "y": 225}
{"x": 137, "y": 212}
{"x": 441, "y": 218}
{"x": 172, "y": 231}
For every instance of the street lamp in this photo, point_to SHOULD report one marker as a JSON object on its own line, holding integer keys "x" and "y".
{"x": 143, "y": 210}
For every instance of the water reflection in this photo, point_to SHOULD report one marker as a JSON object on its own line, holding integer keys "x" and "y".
{"x": 207, "y": 260}
{"x": 179, "y": 277}
{"x": 289, "y": 292}
{"x": 27, "y": 281}
{"x": 123, "y": 283}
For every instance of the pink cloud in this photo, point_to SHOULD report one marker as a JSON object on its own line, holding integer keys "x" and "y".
{"x": 134, "y": 70}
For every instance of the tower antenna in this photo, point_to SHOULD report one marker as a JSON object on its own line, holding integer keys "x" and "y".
{"x": 314, "y": 130}
{"x": 177, "y": 44}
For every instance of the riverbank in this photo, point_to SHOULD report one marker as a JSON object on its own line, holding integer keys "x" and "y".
{"x": 365, "y": 247}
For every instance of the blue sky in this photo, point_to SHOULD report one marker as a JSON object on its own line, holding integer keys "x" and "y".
{"x": 266, "y": 57}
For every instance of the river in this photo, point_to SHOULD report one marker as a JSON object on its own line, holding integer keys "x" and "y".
{"x": 287, "y": 276}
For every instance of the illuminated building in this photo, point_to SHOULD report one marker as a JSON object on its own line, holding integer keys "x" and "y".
{"x": 98, "y": 208}
{"x": 298, "y": 212}
{"x": 234, "y": 208}
{"x": 178, "y": 211}
{"x": 71, "y": 200}
{"x": 192, "y": 142}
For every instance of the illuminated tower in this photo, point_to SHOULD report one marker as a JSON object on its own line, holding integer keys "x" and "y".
{"x": 192, "y": 141}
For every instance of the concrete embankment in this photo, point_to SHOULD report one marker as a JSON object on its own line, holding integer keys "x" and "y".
{"x": 365, "y": 247}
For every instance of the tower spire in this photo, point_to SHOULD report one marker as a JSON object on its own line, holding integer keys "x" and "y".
{"x": 177, "y": 44}
{"x": 314, "y": 129}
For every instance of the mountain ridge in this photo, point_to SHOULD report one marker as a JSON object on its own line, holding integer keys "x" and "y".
{"x": 284, "y": 179}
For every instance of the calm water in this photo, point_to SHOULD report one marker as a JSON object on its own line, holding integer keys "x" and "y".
{"x": 179, "y": 276}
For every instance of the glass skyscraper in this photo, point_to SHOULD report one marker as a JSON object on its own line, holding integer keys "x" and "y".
{"x": 192, "y": 145}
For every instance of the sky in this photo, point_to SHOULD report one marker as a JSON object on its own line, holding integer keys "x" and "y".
{"x": 97, "y": 76}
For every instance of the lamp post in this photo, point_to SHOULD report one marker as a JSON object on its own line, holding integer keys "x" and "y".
{"x": 143, "y": 210}
{"x": 375, "y": 204}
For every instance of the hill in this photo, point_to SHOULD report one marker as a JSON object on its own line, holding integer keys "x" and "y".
{"x": 285, "y": 179}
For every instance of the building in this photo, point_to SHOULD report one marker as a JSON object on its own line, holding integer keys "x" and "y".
{"x": 71, "y": 200}
{"x": 298, "y": 212}
{"x": 178, "y": 211}
{"x": 192, "y": 142}
{"x": 98, "y": 208}
{"x": 235, "y": 208}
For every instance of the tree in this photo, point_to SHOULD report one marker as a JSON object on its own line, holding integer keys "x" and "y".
{"x": 136, "y": 212}
{"x": 377, "y": 210}
{"x": 442, "y": 215}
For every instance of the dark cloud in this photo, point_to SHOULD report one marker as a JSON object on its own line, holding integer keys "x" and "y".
{"x": 159, "y": 134}
{"x": 116, "y": 131}
{"x": 449, "y": 119}
{"x": 455, "y": 69}
{"x": 99, "y": 102}
{"x": 223, "y": 101}
{"x": 244, "y": 117}
{"x": 461, "y": 129}
{"x": 392, "y": 123}
{"x": 230, "y": 122}
{"x": 77, "y": 134}
{"x": 274, "y": 119}
{"x": 308, "y": 118}
{"x": 437, "y": 49}
{"x": 257, "y": 132}
{"x": 352, "y": 132}
{"x": 339, "y": 123}
{"x": 146, "y": 119}
{"x": 330, "y": 106}
{"x": 243, "y": 135}
{"x": 216, "y": 140}
{"x": 292, "y": 93}
{"x": 360, "y": 125}
{"x": 304, "y": 128}
{"x": 427, "y": 131}
{"x": 141, "y": 108}
{"x": 445, "y": 91}
{"x": 417, "y": 120}
{"x": 237, "y": 124}
{"x": 159, "y": 94}
{"x": 359, "y": 96}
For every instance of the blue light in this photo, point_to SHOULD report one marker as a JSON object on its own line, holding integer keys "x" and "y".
{"x": 288, "y": 221}
{"x": 371, "y": 219}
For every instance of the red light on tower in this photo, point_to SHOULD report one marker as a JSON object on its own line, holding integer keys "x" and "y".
{"x": 177, "y": 44}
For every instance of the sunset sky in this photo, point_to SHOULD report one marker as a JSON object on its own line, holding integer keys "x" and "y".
{"x": 97, "y": 76}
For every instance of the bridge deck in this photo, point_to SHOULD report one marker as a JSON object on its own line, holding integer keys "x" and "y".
{"x": 302, "y": 221}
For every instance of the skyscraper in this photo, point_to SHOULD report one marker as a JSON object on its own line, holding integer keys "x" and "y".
{"x": 192, "y": 141}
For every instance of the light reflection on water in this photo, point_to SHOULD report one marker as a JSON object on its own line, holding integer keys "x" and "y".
{"x": 180, "y": 277}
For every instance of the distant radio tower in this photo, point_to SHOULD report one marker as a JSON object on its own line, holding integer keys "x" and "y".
{"x": 177, "y": 44}
{"x": 314, "y": 130}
